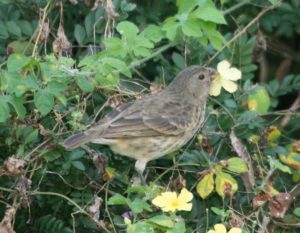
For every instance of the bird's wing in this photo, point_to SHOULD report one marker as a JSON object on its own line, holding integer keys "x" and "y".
{"x": 147, "y": 118}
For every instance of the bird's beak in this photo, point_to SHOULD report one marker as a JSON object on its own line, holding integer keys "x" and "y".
{"x": 212, "y": 72}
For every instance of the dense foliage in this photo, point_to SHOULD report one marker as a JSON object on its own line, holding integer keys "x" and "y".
{"x": 65, "y": 64}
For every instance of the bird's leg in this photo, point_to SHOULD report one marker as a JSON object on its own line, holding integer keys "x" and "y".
{"x": 140, "y": 167}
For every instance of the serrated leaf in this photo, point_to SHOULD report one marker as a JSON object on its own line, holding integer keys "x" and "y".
{"x": 171, "y": 29}
{"x": 44, "y": 101}
{"x": 108, "y": 80}
{"x": 85, "y": 84}
{"x": 16, "y": 62}
{"x": 209, "y": 14}
{"x": 191, "y": 27}
{"x": 138, "y": 206}
{"x": 127, "y": 29}
{"x": 225, "y": 184}
{"x": 79, "y": 33}
{"x": 206, "y": 185}
{"x": 258, "y": 99}
{"x": 162, "y": 220}
{"x": 153, "y": 33}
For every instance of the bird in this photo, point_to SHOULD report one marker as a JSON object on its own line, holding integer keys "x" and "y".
{"x": 156, "y": 124}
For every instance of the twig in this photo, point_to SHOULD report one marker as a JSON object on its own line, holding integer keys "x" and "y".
{"x": 294, "y": 106}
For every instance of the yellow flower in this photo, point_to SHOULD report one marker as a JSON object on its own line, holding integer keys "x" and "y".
{"x": 225, "y": 78}
{"x": 220, "y": 228}
{"x": 169, "y": 201}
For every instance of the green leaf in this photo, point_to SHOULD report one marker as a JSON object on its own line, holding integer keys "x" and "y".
{"x": 186, "y": 6}
{"x": 76, "y": 154}
{"x": 206, "y": 185}
{"x": 140, "y": 227}
{"x": 118, "y": 199}
{"x": 171, "y": 29}
{"x": 4, "y": 109}
{"x": 79, "y": 165}
{"x": 161, "y": 220}
{"x": 85, "y": 84}
{"x": 274, "y": 163}
{"x": 127, "y": 29}
{"x": 237, "y": 165}
{"x": 89, "y": 23}
{"x": 51, "y": 155}
{"x": 209, "y": 14}
{"x": 13, "y": 28}
{"x": 3, "y": 31}
{"x": 178, "y": 59}
{"x": 273, "y": 1}
{"x": 16, "y": 62}
{"x": 24, "y": 47}
{"x": 109, "y": 80}
{"x": 32, "y": 136}
{"x": 26, "y": 27}
{"x": 80, "y": 34}
{"x": 138, "y": 205}
{"x": 153, "y": 33}
{"x": 215, "y": 37}
{"x": 191, "y": 27}
{"x": 258, "y": 99}
{"x": 44, "y": 101}
{"x": 17, "y": 103}
{"x": 179, "y": 227}
{"x": 297, "y": 212}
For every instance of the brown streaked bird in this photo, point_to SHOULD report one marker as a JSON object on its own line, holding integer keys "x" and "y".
{"x": 155, "y": 125}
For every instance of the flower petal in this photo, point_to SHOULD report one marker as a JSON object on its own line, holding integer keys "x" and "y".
{"x": 229, "y": 86}
{"x": 220, "y": 228}
{"x": 163, "y": 199}
{"x": 185, "y": 206}
{"x": 169, "y": 208}
{"x": 211, "y": 231}
{"x": 215, "y": 87}
{"x": 232, "y": 74}
{"x": 185, "y": 195}
{"x": 235, "y": 230}
{"x": 223, "y": 67}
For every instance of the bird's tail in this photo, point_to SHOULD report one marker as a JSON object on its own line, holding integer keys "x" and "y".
{"x": 76, "y": 140}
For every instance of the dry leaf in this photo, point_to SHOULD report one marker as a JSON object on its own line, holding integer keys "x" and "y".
{"x": 278, "y": 205}
{"x": 61, "y": 46}
{"x": 12, "y": 167}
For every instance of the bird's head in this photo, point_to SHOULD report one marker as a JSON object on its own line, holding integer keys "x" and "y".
{"x": 194, "y": 80}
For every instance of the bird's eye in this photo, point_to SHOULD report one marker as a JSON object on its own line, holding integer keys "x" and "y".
{"x": 201, "y": 76}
